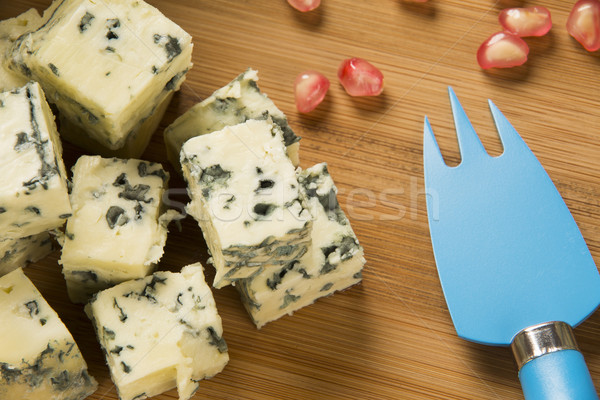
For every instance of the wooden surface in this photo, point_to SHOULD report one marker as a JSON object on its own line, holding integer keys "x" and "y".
{"x": 391, "y": 337}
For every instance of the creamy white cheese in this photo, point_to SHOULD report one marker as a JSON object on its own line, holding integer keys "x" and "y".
{"x": 108, "y": 66}
{"x": 334, "y": 263}
{"x": 33, "y": 185}
{"x": 15, "y": 253}
{"x": 38, "y": 357}
{"x": 236, "y": 102}
{"x": 10, "y": 30}
{"x": 245, "y": 197}
{"x": 118, "y": 230}
{"x": 160, "y": 332}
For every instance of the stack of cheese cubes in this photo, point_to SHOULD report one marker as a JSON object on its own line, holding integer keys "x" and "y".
{"x": 275, "y": 232}
{"x": 158, "y": 331}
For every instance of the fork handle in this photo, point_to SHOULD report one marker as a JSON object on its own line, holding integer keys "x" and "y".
{"x": 550, "y": 364}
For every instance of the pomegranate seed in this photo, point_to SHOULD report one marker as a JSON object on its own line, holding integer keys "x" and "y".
{"x": 304, "y": 5}
{"x": 502, "y": 50}
{"x": 530, "y": 21}
{"x": 310, "y": 88}
{"x": 360, "y": 78}
{"x": 584, "y": 24}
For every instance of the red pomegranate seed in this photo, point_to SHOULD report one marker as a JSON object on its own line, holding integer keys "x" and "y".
{"x": 310, "y": 88}
{"x": 530, "y": 21}
{"x": 502, "y": 50}
{"x": 304, "y": 5}
{"x": 584, "y": 23}
{"x": 360, "y": 78}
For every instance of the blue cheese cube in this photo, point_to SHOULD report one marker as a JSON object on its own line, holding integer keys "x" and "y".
{"x": 246, "y": 198}
{"x": 334, "y": 263}
{"x": 15, "y": 253}
{"x": 38, "y": 357}
{"x": 236, "y": 102}
{"x": 135, "y": 58}
{"x": 33, "y": 185}
{"x": 160, "y": 332}
{"x": 10, "y": 30}
{"x": 118, "y": 229}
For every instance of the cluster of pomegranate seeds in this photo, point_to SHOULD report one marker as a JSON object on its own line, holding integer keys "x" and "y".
{"x": 584, "y": 23}
{"x": 530, "y": 21}
{"x": 310, "y": 88}
{"x": 357, "y": 76}
{"x": 502, "y": 50}
{"x": 506, "y": 49}
{"x": 304, "y": 5}
{"x": 360, "y": 78}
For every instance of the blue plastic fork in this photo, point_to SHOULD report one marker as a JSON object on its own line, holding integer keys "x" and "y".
{"x": 513, "y": 265}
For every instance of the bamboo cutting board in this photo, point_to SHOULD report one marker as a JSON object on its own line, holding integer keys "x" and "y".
{"x": 390, "y": 337}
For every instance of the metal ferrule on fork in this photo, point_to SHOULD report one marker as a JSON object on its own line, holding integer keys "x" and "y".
{"x": 538, "y": 340}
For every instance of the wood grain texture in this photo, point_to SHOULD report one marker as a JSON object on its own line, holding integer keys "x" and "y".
{"x": 391, "y": 337}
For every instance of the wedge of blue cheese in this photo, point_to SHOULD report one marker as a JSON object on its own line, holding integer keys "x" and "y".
{"x": 334, "y": 263}
{"x": 118, "y": 228}
{"x": 10, "y": 30}
{"x": 160, "y": 332}
{"x": 246, "y": 199}
{"x": 15, "y": 253}
{"x": 109, "y": 66}
{"x": 236, "y": 102}
{"x": 38, "y": 357}
{"x": 33, "y": 184}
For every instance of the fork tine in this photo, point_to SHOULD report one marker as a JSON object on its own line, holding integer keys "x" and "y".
{"x": 508, "y": 135}
{"x": 432, "y": 156}
{"x": 468, "y": 141}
